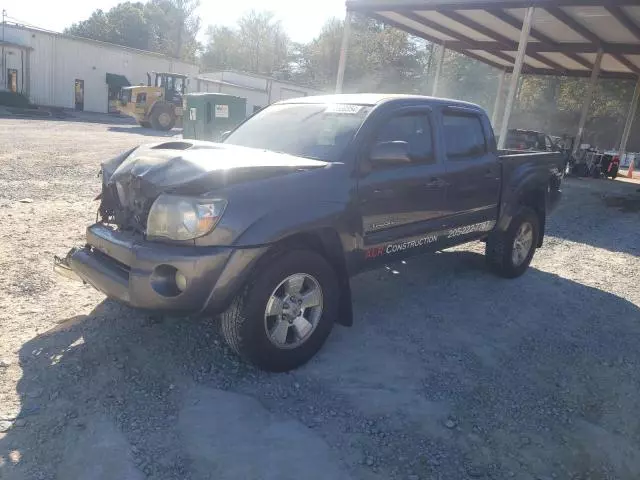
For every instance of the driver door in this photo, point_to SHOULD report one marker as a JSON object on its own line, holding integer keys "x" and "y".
{"x": 402, "y": 204}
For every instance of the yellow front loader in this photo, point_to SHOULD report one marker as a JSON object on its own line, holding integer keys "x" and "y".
{"x": 158, "y": 104}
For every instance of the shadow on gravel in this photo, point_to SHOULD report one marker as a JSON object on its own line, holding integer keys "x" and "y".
{"x": 607, "y": 219}
{"x": 537, "y": 376}
{"x": 65, "y": 115}
{"x": 148, "y": 132}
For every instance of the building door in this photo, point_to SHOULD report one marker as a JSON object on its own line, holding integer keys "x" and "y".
{"x": 12, "y": 80}
{"x": 79, "y": 94}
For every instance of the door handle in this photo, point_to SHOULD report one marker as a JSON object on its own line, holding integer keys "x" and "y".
{"x": 436, "y": 183}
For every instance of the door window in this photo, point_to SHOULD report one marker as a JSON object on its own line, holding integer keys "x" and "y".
{"x": 415, "y": 129}
{"x": 464, "y": 136}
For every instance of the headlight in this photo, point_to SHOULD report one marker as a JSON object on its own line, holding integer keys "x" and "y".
{"x": 183, "y": 218}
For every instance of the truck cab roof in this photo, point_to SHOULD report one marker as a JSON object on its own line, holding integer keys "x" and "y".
{"x": 372, "y": 99}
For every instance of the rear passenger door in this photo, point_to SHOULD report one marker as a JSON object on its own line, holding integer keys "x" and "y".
{"x": 404, "y": 202}
{"x": 473, "y": 172}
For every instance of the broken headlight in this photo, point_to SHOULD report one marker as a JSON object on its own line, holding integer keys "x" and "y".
{"x": 183, "y": 218}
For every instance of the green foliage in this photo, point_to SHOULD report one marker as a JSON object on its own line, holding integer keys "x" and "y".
{"x": 380, "y": 59}
{"x": 553, "y": 104}
{"x": 258, "y": 44}
{"x": 11, "y": 99}
{"x": 164, "y": 26}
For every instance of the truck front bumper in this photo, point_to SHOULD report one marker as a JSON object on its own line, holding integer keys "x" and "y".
{"x": 157, "y": 276}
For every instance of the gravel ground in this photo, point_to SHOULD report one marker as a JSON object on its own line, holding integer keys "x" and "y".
{"x": 448, "y": 372}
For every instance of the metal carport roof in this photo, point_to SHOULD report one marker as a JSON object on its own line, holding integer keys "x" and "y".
{"x": 564, "y": 39}
{"x": 575, "y": 38}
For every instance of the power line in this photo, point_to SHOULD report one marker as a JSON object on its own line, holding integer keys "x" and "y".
{"x": 18, "y": 22}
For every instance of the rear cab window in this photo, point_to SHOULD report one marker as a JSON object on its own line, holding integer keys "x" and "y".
{"x": 464, "y": 135}
{"x": 415, "y": 129}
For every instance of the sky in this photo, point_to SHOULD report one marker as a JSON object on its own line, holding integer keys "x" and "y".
{"x": 301, "y": 20}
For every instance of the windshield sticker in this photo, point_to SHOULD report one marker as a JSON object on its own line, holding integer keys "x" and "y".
{"x": 343, "y": 108}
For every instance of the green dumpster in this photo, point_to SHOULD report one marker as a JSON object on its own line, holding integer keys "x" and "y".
{"x": 208, "y": 115}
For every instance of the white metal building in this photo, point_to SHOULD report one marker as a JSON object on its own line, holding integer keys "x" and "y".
{"x": 59, "y": 70}
{"x": 259, "y": 90}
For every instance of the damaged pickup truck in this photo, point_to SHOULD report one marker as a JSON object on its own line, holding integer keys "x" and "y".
{"x": 267, "y": 227}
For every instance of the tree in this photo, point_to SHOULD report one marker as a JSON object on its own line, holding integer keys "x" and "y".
{"x": 164, "y": 26}
{"x": 124, "y": 24}
{"x": 221, "y": 50}
{"x": 175, "y": 26}
{"x": 258, "y": 44}
{"x": 379, "y": 58}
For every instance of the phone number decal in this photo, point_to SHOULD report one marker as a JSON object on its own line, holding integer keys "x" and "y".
{"x": 467, "y": 229}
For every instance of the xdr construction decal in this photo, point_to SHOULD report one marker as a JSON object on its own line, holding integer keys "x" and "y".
{"x": 429, "y": 239}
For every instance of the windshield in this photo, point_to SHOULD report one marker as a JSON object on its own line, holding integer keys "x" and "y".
{"x": 308, "y": 130}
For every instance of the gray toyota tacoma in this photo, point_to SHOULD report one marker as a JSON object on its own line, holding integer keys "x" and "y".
{"x": 266, "y": 228}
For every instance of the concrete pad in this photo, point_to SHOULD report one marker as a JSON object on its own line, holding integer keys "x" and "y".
{"x": 230, "y": 436}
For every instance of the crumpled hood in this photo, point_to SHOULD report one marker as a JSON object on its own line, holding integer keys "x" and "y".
{"x": 195, "y": 167}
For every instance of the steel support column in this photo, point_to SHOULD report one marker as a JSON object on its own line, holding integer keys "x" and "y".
{"x": 631, "y": 115}
{"x": 442, "y": 50}
{"x": 515, "y": 76}
{"x": 498, "y": 104}
{"x": 584, "y": 113}
{"x": 342, "y": 64}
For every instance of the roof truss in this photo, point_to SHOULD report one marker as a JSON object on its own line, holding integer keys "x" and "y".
{"x": 564, "y": 36}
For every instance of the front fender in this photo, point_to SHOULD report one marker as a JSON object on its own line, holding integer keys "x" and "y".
{"x": 283, "y": 222}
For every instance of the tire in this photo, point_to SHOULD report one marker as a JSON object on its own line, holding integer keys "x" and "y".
{"x": 145, "y": 124}
{"x": 163, "y": 118}
{"x": 500, "y": 245}
{"x": 245, "y": 324}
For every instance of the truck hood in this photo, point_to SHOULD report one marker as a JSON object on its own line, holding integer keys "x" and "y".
{"x": 193, "y": 167}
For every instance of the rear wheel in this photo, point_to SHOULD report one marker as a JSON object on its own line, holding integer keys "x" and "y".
{"x": 163, "y": 118}
{"x": 283, "y": 317}
{"x": 510, "y": 253}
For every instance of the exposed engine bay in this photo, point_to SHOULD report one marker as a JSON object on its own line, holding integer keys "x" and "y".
{"x": 132, "y": 181}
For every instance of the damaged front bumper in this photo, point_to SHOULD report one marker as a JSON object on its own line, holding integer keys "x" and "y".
{"x": 61, "y": 266}
{"x": 156, "y": 276}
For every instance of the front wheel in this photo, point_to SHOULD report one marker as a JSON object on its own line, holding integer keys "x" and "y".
{"x": 283, "y": 317}
{"x": 163, "y": 118}
{"x": 510, "y": 253}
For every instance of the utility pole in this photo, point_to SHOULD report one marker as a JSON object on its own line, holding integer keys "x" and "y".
{"x": 4, "y": 21}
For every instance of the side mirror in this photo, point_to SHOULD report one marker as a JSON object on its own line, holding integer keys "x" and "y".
{"x": 224, "y": 135}
{"x": 390, "y": 153}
